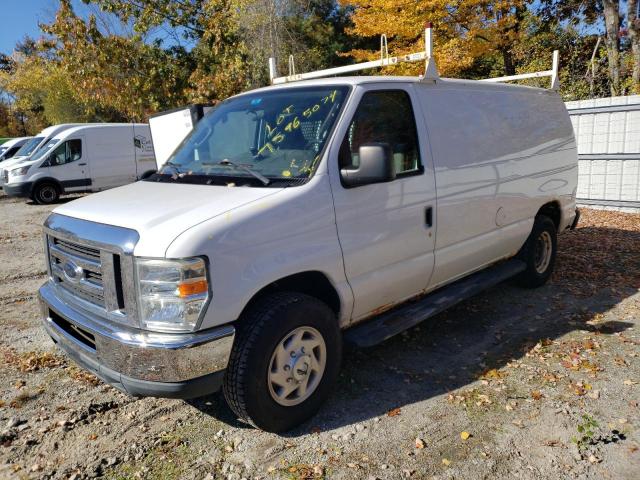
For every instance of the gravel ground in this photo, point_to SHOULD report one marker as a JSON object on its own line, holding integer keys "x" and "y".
{"x": 513, "y": 383}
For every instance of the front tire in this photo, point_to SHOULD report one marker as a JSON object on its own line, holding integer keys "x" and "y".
{"x": 46, "y": 193}
{"x": 539, "y": 253}
{"x": 284, "y": 362}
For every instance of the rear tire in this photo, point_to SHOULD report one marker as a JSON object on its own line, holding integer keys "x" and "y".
{"x": 284, "y": 362}
{"x": 539, "y": 253}
{"x": 46, "y": 193}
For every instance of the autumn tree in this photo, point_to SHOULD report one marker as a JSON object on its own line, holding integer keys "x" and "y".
{"x": 117, "y": 74}
{"x": 464, "y": 30}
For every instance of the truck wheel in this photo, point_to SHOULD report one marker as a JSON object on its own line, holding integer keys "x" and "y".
{"x": 285, "y": 360}
{"x": 46, "y": 193}
{"x": 539, "y": 253}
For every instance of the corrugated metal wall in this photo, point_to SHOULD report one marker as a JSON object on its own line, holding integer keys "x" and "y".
{"x": 608, "y": 136}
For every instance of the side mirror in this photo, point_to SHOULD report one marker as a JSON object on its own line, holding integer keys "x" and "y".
{"x": 376, "y": 166}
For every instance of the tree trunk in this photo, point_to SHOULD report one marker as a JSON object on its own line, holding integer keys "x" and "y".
{"x": 634, "y": 38}
{"x": 507, "y": 57}
{"x": 612, "y": 42}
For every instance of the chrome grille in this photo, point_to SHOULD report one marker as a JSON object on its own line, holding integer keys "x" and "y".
{"x": 101, "y": 257}
{"x": 78, "y": 269}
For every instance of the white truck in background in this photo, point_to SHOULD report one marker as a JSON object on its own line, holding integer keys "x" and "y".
{"x": 170, "y": 128}
{"x": 84, "y": 158}
{"x": 31, "y": 147}
{"x": 302, "y": 215}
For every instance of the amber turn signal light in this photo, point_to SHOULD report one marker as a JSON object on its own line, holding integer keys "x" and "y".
{"x": 192, "y": 288}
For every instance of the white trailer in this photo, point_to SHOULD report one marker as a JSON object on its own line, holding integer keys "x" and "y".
{"x": 168, "y": 129}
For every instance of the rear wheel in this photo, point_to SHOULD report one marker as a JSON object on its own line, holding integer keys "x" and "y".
{"x": 46, "y": 193}
{"x": 284, "y": 362}
{"x": 539, "y": 253}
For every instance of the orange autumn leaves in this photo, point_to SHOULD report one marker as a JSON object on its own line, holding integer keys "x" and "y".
{"x": 464, "y": 30}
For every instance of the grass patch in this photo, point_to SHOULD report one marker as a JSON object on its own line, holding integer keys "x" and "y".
{"x": 169, "y": 460}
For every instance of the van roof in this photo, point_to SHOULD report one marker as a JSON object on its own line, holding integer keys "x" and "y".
{"x": 92, "y": 126}
{"x": 361, "y": 80}
{"x": 13, "y": 141}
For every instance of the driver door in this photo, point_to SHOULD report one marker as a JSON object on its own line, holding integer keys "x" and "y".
{"x": 386, "y": 230}
{"x": 68, "y": 164}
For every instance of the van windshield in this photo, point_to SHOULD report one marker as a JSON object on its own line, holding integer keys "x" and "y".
{"x": 42, "y": 151}
{"x": 28, "y": 148}
{"x": 276, "y": 134}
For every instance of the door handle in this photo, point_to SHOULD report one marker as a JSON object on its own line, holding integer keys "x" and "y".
{"x": 82, "y": 164}
{"x": 428, "y": 216}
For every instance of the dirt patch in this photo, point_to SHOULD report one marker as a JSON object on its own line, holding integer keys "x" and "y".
{"x": 513, "y": 383}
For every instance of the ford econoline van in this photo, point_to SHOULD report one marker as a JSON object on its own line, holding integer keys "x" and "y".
{"x": 303, "y": 215}
{"x": 85, "y": 158}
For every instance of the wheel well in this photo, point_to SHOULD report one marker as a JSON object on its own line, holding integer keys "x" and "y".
{"x": 551, "y": 210}
{"x": 52, "y": 181}
{"x": 314, "y": 284}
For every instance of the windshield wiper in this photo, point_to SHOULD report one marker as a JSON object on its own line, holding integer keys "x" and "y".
{"x": 174, "y": 166}
{"x": 228, "y": 163}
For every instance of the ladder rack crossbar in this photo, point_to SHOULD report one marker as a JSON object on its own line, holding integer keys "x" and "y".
{"x": 545, "y": 73}
{"x": 383, "y": 62}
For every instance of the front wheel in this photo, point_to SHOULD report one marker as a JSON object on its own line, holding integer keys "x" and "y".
{"x": 539, "y": 253}
{"x": 284, "y": 362}
{"x": 46, "y": 193}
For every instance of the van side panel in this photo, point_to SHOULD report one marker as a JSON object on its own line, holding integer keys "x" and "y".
{"x": 500, "y": 153}
{"x": 112, "y": 157}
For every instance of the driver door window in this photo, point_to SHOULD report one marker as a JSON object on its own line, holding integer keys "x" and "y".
{"x": 68, "y": 152}
{"x": 384, "y": 116}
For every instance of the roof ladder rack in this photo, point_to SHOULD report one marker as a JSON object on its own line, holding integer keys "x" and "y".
{"x": 431, "y": 71}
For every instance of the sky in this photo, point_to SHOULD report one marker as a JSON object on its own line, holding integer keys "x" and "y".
{"x": 21, "y": 17}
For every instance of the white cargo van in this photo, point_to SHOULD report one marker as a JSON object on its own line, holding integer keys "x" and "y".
{"x": 31, "y": 147}
{"x": 85, "y": 158}
{"x": 302, "y": 215}
{"x": 9, "y": 148}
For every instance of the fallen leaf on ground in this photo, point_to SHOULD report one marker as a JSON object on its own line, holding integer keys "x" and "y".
{"x": 446, "y": 462}
{"x": 394, "y": 412}
{"x": 420, "y": 443}
{"x": 464, "y": 435}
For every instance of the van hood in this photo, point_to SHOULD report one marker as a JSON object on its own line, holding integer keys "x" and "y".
{"x": 160, "y": 212}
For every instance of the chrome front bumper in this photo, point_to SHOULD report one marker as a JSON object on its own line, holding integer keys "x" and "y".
{"x": 140, "y": 363}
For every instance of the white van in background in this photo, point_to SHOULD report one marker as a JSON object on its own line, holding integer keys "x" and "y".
{"x": 85, "y": 158}
{"x": 9, "y": 148}
{"x": 29, "y": 148}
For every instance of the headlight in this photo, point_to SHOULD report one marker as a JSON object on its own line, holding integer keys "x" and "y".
{"x": 18, "y": 172}
{"x": 172, "y": 294}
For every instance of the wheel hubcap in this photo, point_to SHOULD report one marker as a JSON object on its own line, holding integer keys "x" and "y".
{"x": 543, "y": 251}
{"x": 297, "y": 366}
{"x": 47, "y": 194}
